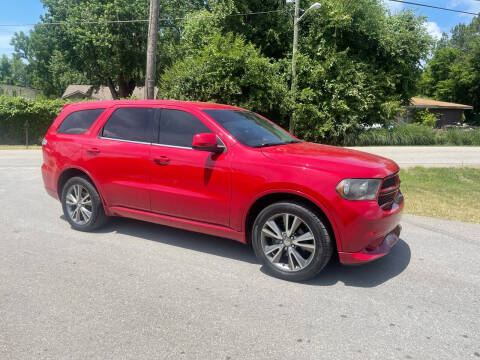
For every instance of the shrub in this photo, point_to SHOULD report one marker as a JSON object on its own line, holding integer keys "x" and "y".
{"x": 459, "y": 137}
{"x": 414, "y": 134}
{"x": 16, "y": 112}
{"x": 425, "y": 117}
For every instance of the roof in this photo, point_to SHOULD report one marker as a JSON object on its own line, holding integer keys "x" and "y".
{"x": 106, "y": 104}
{"x": 76, "y": 89}
{"x": 434, "y": 104}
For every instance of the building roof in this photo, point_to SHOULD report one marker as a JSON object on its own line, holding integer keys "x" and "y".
{"x": 83, "y": 90}
{"x": 434, "y": 104}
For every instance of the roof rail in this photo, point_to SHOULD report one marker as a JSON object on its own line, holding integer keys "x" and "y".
{"x": 66, "y": 105}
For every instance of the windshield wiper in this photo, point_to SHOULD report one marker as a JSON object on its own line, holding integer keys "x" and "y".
{"x": 278, "y": 143}
{"x": 268, "y": 144}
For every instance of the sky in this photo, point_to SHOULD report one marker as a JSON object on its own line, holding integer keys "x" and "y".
{"x": 16, "y": 12}
{"x": 29, "y": 11}
{"x": 439, "y": 21}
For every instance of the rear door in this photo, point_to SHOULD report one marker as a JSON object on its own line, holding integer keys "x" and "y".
{"x": 187, "y": 183}
{"x": 119, "y": 156}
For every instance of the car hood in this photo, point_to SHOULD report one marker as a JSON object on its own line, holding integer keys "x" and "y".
{"x": 347, "y": 162}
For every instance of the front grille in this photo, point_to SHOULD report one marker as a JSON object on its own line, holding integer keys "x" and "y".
{"x": 386, "y": 199}
{"x": 389, "y": 182}
{"x": 388, "y": 192}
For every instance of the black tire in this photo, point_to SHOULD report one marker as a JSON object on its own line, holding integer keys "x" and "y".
{"x": 322, "y": 242}
{"x": 98, "y": 217}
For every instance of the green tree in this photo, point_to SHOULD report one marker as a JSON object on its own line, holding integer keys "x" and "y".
{"x": 103, "y": 53}
{"x": 13, "y": 71}
{"x": 357, "y": 65}
{"x": 462, "y": 35}
{"x": 5, "y": 70}
{"x": 271, "y": 32}
{"x": 227, "y": 70}
{"x": 61, "y": 74}
{"x": 453, "y": 72}
{"x": 36, "y": 49}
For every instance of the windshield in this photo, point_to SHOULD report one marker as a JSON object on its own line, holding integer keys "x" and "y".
{"x": 251, "y": 129}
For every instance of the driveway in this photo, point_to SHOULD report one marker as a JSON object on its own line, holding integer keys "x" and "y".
{"x": 142, "y": 291}
{"x": 431, "y": 156}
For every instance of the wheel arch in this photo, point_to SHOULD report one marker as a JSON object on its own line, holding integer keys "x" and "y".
{"x": 68, "y": 173}
{"x": 273, "y": 197}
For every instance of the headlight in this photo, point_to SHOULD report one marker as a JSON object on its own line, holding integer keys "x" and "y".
{"x": 358, "y": 189}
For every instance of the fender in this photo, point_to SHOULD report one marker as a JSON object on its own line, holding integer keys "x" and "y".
{"x": 321, "y": 205}
{"x": 95, "y": 183}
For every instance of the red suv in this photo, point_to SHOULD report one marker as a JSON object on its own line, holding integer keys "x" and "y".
{"x": 224, "y": 171}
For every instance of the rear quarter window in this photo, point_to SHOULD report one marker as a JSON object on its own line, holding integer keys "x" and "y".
{"x": 79, "y": 121}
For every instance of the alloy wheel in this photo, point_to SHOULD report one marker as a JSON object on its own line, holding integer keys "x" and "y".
{"x": 287, "y": 242}
{"x": 79, "y": 204}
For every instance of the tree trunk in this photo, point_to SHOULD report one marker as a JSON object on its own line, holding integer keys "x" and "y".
{"x": 113, "y": 91}
{"x": 125, "y": 88}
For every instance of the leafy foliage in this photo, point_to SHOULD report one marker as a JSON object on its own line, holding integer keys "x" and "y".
{"x": 271, "y": 33}
{"x": 17, "y": 112}
{"x": 357, "y": 64}
{"x": 110, "y": 54}
{"x": 227, "y": 70}
{"x": 14, "y": 72}
{"x": 357, "y": 67}
{"x": 425, "y": 117}
{"x": 453, "y": 72}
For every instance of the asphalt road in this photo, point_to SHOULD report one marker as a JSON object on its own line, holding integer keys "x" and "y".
{"x": 141, "y": 291}
{"x": 431, "y": 156}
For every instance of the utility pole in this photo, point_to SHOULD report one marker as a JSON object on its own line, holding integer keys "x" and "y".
{"x": 151, "y": 51}
{"x": 294, "y": 60}
{"x": 296, "y": 21}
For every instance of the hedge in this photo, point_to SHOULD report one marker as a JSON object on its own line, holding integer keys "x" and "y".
{"x": 15, "y": 112}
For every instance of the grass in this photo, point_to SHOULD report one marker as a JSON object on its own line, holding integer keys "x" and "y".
{"x": 20, "y": 147}
{"x": 414, "y": 134}
{"x": 447, "y": 193}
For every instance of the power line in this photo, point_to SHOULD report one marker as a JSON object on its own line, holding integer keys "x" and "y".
{"x": 434, "y": 7}
{"x": 137, "y": 20}
{"x": 206, "y": 16}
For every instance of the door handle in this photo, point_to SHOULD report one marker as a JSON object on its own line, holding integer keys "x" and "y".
{"x": 162, "y": 160}
{"x": 93, "y": 151}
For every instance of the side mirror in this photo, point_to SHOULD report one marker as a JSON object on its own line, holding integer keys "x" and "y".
{"x": 206, "y": 142}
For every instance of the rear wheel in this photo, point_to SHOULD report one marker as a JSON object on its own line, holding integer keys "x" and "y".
{"x": 82, "y": 205}
{"x": 291, "y": 241}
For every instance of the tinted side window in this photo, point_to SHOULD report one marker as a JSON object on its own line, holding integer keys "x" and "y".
{"x": 178, "y": 128}
{"x": 133, "y": 124}
{"x": 79, "y": 121}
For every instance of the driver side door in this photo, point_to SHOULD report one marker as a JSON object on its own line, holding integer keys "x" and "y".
{"x": 187, "y": 183}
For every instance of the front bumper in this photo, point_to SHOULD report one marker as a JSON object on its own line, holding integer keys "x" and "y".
{"x": 370, "y": 254}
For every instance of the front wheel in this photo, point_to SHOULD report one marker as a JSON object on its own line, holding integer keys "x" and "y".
{"x": 292, "y": 241}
